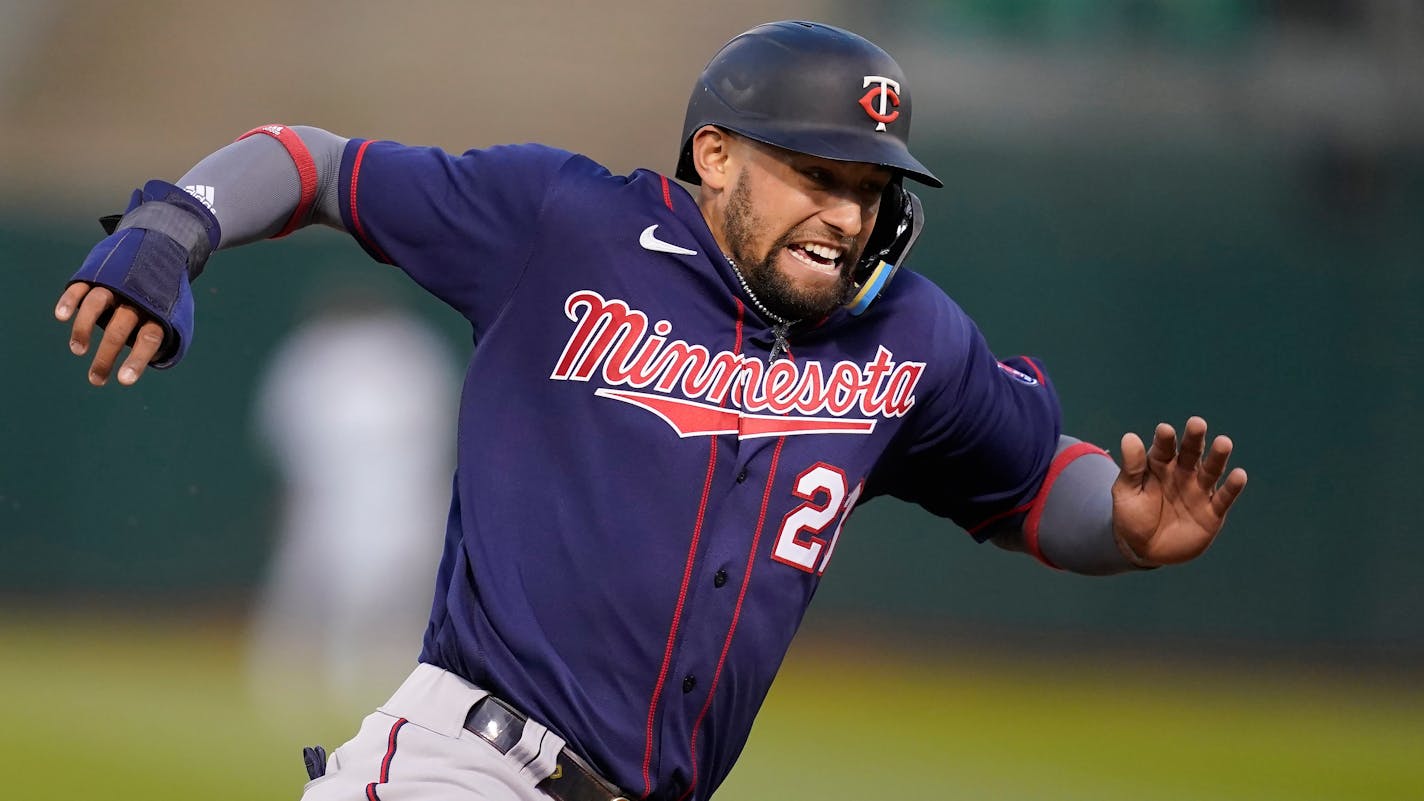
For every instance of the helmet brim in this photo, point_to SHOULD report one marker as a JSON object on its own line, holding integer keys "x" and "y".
{"x": 828, "y": 143}
{"x": 838, "y": 144}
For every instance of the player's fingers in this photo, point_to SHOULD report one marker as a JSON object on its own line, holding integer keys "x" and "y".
{"x": 146, "y": 344}
{"x": 1193, "y": 441}
{"x": 1134, "y": 460}
{"x": 69, "y": 301}
{"x": 116, "y": 335}
{"x": 1163, "y": 450}
{"x": 1215, "y": 463}
{"x": 95, "y": 303}
{"x": 1228, "y": 492}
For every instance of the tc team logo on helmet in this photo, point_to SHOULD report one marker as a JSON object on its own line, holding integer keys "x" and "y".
{"x": 887, "y": 90}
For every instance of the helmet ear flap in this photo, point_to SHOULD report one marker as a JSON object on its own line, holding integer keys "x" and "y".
{"x": 898, "y": 226}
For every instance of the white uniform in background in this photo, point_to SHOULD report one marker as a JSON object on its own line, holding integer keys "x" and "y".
{"x": 358, "y": 409}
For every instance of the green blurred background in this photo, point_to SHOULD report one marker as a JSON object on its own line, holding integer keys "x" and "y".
{"x": 1211, "y": 207}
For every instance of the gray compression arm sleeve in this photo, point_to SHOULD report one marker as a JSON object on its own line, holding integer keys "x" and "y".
{"x": 253, "y": 188}
{"x": 1075, "y": 530}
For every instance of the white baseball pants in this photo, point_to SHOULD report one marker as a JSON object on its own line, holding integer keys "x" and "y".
{"x": 415, "y": 748}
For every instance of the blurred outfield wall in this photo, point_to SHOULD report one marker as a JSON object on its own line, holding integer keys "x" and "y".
{"x": 1173, "y": 231}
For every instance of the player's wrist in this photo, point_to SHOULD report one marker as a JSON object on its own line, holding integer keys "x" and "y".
{"x": 172, "y": 211}
{"x": 1130, "y": 554}
{"x": 152, "y": 253}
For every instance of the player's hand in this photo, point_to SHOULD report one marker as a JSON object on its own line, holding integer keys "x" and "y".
{"x": 127, "y": 325}
{"x": 1169, "y": 503}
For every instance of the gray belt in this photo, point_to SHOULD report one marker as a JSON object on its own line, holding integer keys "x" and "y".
{"x": 501, "y": 725}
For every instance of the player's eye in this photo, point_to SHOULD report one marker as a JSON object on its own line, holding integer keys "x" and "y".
{"x": 871, "y": 192}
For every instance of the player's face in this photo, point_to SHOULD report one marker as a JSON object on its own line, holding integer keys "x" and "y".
{"x": 796, "y": 224}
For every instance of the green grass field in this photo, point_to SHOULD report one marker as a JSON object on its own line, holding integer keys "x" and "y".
{"x": 152, "y": 710}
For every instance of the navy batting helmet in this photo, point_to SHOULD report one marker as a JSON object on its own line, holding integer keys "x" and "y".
{"x": 810, "y": 88}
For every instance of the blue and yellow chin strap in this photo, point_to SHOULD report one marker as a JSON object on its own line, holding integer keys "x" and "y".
{"x": 889, "y": 245}
{"x": 870, "y": 288}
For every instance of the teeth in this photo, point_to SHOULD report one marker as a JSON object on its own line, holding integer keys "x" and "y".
{"x": 829, "y": 254}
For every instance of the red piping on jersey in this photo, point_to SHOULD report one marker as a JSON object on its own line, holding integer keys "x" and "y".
{"x": 677, "y": 617}
{"x": 355, "y": 216}
{"x": 306, "y": 171}
{"x": 1017, "y": 509}
{"x": 1035, "y": 514}
{"x": 1037, "y": 372}
{"x": 667, "y": 192}
{"x": 385, "y": 763}
{"x": 686, "y": 576}
{"x": 1000, "y": 516}
{"x": 736, "y": 614}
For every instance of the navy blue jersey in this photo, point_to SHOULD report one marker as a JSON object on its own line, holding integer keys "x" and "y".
{"x": 644, "y": 502}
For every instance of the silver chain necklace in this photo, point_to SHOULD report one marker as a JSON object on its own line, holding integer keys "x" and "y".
{"x": 780, "y": 325}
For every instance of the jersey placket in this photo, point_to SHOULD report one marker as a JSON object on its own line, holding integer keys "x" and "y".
{"x": 732, "y": 536}
{"x": 753, "y": 541}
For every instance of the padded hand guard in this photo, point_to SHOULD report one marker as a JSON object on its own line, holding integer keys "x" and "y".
{"x": 153, "y": 251}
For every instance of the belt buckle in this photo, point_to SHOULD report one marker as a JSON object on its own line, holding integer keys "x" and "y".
{"x": 493, "y": 721}
{"x": 576, "y": 780}
{"x": 502, "y": 726}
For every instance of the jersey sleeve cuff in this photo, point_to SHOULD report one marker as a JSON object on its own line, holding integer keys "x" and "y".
{"x": 352, "y": 159}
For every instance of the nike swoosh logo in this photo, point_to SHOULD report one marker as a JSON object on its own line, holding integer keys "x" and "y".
{"x": 650, "y": 242}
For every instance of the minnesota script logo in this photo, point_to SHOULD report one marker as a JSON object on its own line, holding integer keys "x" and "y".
{"x": 700, "y": 393}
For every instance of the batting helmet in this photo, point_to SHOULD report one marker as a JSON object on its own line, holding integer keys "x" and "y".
{"x": 810, "y": 88}
{"x": 827, "y": 92}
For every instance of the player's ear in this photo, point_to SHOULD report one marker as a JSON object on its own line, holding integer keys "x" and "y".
{"x": 711, "y": 152}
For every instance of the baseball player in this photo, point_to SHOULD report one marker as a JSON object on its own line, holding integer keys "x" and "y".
{"x": 674, "y": 402}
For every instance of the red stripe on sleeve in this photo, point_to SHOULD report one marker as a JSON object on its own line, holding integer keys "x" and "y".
{"x": 667, "y": 192}
{"x": 1035, "y": 512}
{"x": 306, "y": 171}
{"x": 360, "y": 232}
{"x": 1000, "y": 516}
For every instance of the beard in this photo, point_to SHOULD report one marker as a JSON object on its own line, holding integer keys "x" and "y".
{"x": 776, "y": 292}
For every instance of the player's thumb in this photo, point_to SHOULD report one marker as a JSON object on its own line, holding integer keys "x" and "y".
{"x": 1134, "y": 462}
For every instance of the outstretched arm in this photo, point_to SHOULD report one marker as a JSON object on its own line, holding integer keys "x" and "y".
{"x": 268, "y": 183}
{"x": 462, "y": 227}
{"x": 1163, "y": 507}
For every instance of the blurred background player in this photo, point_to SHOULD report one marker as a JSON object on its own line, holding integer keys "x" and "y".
{"x": 357, "y": 410}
